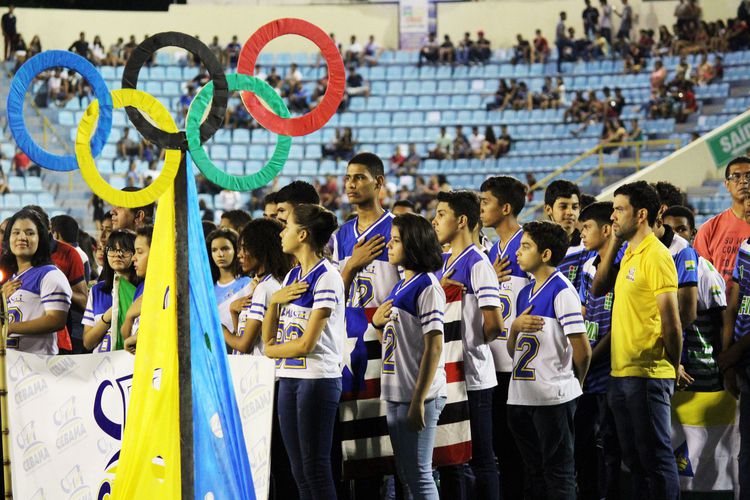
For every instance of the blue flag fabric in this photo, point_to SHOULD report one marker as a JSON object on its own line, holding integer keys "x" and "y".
{"x": 222, "y": 468}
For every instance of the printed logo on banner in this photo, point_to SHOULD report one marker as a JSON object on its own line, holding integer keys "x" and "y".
{"x": 254, "y": 399}
{"x": 60, "y": 366}
{"x": 38, "y": 495}
{"x": 28, "y": 384}
{"x": 75, "y": 485}
{"x": 70, "y": 426}
{"x": 107, "y": 396}
{"x": 35, "y": 452}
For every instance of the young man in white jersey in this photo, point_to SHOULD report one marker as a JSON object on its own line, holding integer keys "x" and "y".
{"x": 551, "y": 355}
{"x": 501, "y": 200}
{"x": 359, "y": 254}
{"x": 456, "y": 214}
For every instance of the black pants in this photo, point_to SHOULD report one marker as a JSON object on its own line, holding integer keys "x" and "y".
{"x": 506, "y": 450}
{"x": 545, "y": 436}
{"x": 597, "y": 452}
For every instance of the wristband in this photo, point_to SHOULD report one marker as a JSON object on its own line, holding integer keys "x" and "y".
{"x": 376, "y": 326}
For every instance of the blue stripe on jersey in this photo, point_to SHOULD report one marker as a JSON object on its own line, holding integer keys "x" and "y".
{"x": 509, "y": 251}
{"x": 308, "y": 297}
{"x": 598, "y": 321}
{"x": 405, "y": 296}
{"x": 741, "y": 275}
{"x": 348, "y": 235}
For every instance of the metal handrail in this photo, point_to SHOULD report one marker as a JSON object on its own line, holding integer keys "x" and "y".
{"x": 599, "y": 168}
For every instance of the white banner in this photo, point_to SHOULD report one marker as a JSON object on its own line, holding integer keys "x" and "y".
{"x": 413, "y": 23}
{"x": 67, "y": 415}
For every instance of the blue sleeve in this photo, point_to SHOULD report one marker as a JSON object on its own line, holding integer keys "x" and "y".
{"x": 736, "y": 271}
{"x": 583, "y": 289}
{"x": 686, "y": 263}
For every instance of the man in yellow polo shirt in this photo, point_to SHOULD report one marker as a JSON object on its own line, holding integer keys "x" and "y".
{"x": 646, "y": 344}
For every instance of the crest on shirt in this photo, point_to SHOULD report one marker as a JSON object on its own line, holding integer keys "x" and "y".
{"x": 690, "y": 265}
{"x": 631, "y": 274}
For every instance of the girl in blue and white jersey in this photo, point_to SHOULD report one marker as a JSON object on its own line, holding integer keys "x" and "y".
{"x": 37, "y": 293}
{"x": 225, "y": 271}
{"x": 260, "y": 255}
{"x": 412, "y": 382}
{"x": 100, "y": 332}
{"x": 304, "y": 331}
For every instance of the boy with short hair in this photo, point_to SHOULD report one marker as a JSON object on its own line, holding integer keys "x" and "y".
{"x": 596, "y": 448}
{"x": 551, "y": 355}
{"x": 562, "y": 204}
{"x": 456, "y": 214}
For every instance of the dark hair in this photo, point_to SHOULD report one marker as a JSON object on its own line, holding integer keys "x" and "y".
{"x": 641, "y": 195}
{"x": 669, "y": 194}
{"x": 548, "y": 236}
{"x": 586, "y": 200}
{"x": 404, "y": 203}
{"x": 319, "y": 223}
{"x": 298, "y": 192}
{"x": 87, "y": 243}
{"x": 231, "y": 236}
{"x": 41, "y": 213}
{"x": 600, "y": 212}
{"x": 681, "y": 211}
{"x": 507, "y": 190}
{"x": 119, "y": 238}
{"x": 737, "y": 161}
{"x": 260, "y": 238}
{"x": 270, "y": 198}
{"x": 148, "y": 210}
{"x": 371, "y": 162}
{"x": 42, "y": 256}
{"x": 66, "y": 226}
{"x": 560, "y": 189}
{"x": 462, "y": 203}
{"x": 208, "y": 226}
{"x": 146, "y": 231}
{"x": 422, "y": 251}
{"x": 237, "y": 218}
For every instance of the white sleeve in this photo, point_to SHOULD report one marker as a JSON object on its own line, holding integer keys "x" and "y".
{"x": 484, "y": 283}
{"x": 711, "y": 287}
{"x": 89, "y": 319}
{"x": 568, "y": 312}
{"x": 328, "y": 291}
{"x": 334, "y": 245}
{"x": 55, "y": 291}
{"x": 431, "y": 309}
{"x": 261, "y": 297}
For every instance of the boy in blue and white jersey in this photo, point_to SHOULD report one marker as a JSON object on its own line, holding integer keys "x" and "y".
{"x": 456, "y": 213}
{"x": 501, "y": 200}
{"x": 551, "y": 355}
{"x": 596, "y": 447}
{"x": 562, "y": 204}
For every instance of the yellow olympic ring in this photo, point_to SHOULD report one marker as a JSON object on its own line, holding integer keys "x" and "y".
{"x": 155, "y": 110}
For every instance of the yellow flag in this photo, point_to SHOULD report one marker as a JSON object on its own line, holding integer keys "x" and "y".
{"x": 149, "y": 464}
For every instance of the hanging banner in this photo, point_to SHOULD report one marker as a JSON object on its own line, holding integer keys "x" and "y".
{"x": 414, "y": 23}
{"x": 67, "y": 414}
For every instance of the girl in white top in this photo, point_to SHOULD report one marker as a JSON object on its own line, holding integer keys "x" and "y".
{"x": 230, "y": 284}
{"x": 37, "y": 293}
{"x": 413, "y": 375}
{"x": 260, "y": 255}
{"x": 304, "y": 331}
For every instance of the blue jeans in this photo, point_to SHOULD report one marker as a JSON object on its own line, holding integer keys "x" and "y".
{"x": 642, "y": 411}
{"x": 545, "y": 436}
{"x": 743, "y": 379}
{"x": 413, "y": 450}
{"x": 453, "y": 478}
{"x": 307, "y": 411}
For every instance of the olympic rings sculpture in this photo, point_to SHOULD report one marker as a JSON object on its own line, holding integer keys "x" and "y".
{"x": 160, "y": 128}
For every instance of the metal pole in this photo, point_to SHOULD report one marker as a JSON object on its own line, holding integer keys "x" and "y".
{"x": 4, "y": 403}
{"x": 183, "y": 332}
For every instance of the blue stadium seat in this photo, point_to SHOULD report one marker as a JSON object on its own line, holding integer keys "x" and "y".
{"x": 238, "y": 152}
{"x": 235, "y": 167}
{"x": 219, "y": 152}
{"x": 46, "y": 200}
{"x": 16, "y": 184}
{"x": 309, "y": 167}
{"x": 400, "y": 135}
{"x": 312, "y": 151}
{"x": 396, "y": 88}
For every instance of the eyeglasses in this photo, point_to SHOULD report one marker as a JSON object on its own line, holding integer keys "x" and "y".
{"x": 737, "y": 177}
{"x": 118, "y": 252}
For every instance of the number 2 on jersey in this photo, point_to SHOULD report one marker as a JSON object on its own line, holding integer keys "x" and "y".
{"x": 389, "y": 340}
{"x": 530, "y": 346}
{"x": 505, "y": 305}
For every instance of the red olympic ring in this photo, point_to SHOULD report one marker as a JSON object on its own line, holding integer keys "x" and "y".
{"x": 314, "y": 120}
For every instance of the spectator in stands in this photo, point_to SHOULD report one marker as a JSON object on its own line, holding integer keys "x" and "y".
{"x": 299, "y": 98}
{"x": 510, "y": 95}
{"x": 531, "y": 183}
{"x": 232, "y": 52}
{"x": 718, "y": 68}
{"x": 238, "y": 117}
{"x": 273, "y": 79}
{"x": 504, "y": 142}
{"x": 561, "y": 40}
{"x": 489, "y": 144}
{"x": 521, "y": 98}
{"x": 403, "y": 207}
{"x": 612, "y": 132}
{"x": 476, "y": 140}
{"x": 646, "y": 42}
{"x": 719, "y": 238}
{"x": 600, "y": 46}
{"x": 22, "y": 165}
{"x": 293, "y": 76}
{"x": 353, "y": 54}
{"x": 115, "y": 53}
{"x": 658, "y": 75}
{"x": 664, "y": 45}
{"x": 636, "y": 132}
{"x": 521, "y": 51}
{"x": 128, "y": 48}
{"x": 605, "y": 21}
{"x": 429, "y": 51}
{"x": 345, "y": 145}
{"x": 78, "y": 86}
{"x": 499, "y": 96}
{"x": 133, "y": 178}
{"x": 704, "y": 72}
{"x": 217, "y": 50}
{"x": 447, "y": 52}
{"x": 396, "y": 162}
{"x": 626, "y": 23}
{"x": 461, "y": 147}
{"x": 483, "y": 49}
{"x": 541, "y": 48}
{"x": 617, "y": 103}
{"x": 372, "y": 51}
{"x": 465, "y": 50}
{"x": 35, "y": 47}
{"x": 229, "y": 200}
{"x": 8, "y": 22}
{"x": 329, "y": 193}
{"x": 98, "y": 52}
{"x": 57, "y": 87}
{"x": 738, "y": 35}
{"x": 127, "y": 147}
{"x": 590, "y": 17}
{"x": 580, "y": 48}
{"x": 81, "y": 46}
{"x": 4, "y": 188}
{"x": 413, "y": 159}
{"x": 576, "y": 110}
{"x": 443, "y": 145}
{"x": 355, "y": 84}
